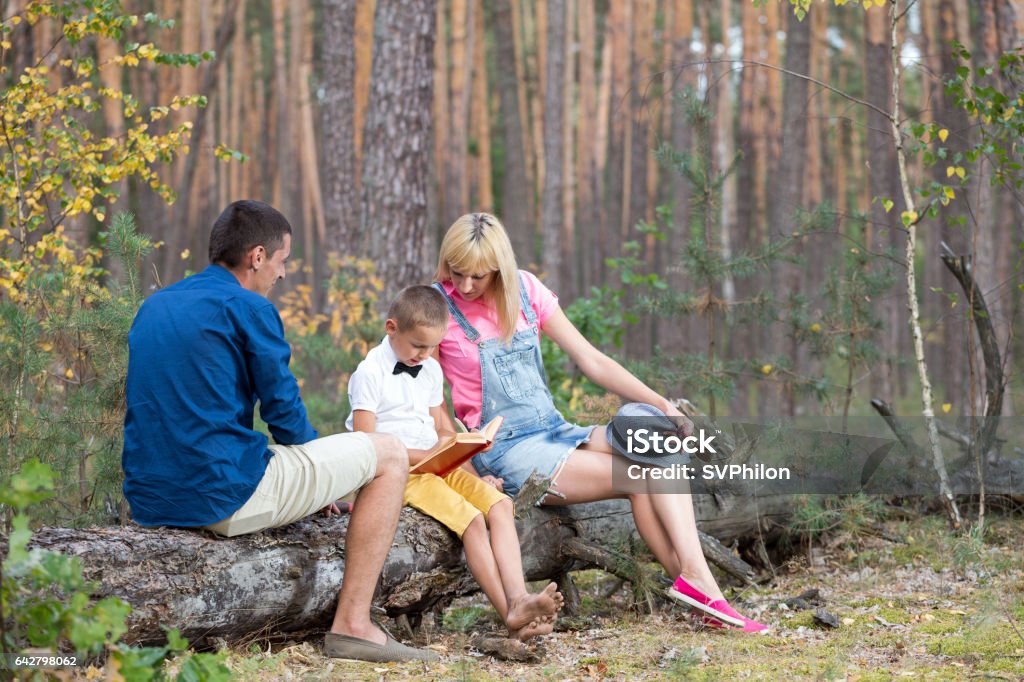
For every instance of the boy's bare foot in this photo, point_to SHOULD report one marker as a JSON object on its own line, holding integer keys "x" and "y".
{"x": 529, "y": 607}
{"x": 541, "y": 626}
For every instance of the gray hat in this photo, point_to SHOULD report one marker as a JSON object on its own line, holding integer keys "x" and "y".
{"x": 634, "y": 417}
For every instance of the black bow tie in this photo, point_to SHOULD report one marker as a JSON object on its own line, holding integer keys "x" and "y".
{"x": 411, "y": 371}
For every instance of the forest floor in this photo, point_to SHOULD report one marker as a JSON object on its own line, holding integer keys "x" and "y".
{"x": 910, "y": 600}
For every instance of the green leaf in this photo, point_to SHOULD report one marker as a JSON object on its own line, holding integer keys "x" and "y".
{"x": 32, "y": 484}
{"x": 17, "y": 548}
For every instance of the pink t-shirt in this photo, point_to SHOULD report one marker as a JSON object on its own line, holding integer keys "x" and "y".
{"x": 460, "y": 358}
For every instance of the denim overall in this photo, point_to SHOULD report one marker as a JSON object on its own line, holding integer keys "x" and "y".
{"x": 534, "y": 436}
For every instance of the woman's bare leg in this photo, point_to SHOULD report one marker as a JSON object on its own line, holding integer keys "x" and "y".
{"x": 665, "y": 521}
{"x": 657, "y": 539}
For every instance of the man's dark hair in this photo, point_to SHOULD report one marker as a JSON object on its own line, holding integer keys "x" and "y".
{"x": 244, "y": 225}
{"x": 419, "y": 306}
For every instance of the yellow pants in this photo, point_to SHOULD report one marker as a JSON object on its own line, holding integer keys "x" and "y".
{"x": 454, "y": 500}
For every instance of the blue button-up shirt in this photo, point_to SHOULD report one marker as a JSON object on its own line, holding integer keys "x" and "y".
{"x": 201, "y": 353}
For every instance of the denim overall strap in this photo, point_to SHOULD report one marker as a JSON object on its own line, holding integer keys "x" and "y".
{"x": 469, "y": 330}
{"x": 524, "y": 301}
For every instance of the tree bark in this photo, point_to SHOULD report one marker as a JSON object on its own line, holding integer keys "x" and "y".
{"x": 287, "y": 579}
{"x": 515, "y": 188}
{"x": 481, "y": 181}
{"x": 551, "y": 204}
{"x": 341, "y": 180}
{"x": 684, "y": 78}
{"x": 619, "y": 34}
{"x": 456, "y": 182}
{"x": 172, "y": 260}
{"x": 883, "y": 183}
{"x": 396, "y": 169}
{"x": 726, "y": 151}
{"x": 440, "y": 105}
{"x": 785, "y": 279}
{"x": 588, "y": 212}
{"x": 570, "y": 258}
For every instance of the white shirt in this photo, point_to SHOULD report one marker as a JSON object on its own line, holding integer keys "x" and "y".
{"x": 400, "y": 402}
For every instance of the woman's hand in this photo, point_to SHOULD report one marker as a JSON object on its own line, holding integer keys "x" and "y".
{"x": 498, "y": 483}
{"x": 684, "y": 426}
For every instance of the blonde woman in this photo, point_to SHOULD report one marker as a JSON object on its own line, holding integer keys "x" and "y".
{"x": 491, "y": 357}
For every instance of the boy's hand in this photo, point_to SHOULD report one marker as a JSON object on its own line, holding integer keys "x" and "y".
{"x": 487, "y": 449}
{"x": 336, "y": 509}
{"x": 498, "y": 483}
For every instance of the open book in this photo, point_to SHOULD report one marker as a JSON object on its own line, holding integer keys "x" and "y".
{"x": 453, "y": 451}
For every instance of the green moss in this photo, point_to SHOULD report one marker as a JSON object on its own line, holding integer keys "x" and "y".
{"x": 804, "y": 618}
{"x": 993, "y": 646}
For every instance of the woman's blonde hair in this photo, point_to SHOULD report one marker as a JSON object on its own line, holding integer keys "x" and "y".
{"x": 477, "y": 242}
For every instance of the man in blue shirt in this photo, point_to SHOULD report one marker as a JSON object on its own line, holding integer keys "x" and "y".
{"x": 202, "y": 352}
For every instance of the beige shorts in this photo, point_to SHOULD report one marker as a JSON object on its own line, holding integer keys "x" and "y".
{"x": 303, "y": 479}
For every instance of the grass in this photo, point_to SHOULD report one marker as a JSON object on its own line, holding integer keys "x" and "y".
{"x": 917, "y": 610}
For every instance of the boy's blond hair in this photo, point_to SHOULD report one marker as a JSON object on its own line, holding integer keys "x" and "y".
{"x": 419, "y": 306}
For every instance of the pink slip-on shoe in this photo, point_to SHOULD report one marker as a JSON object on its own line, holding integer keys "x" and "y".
{"x": 691, "y": 596}
{"x": 748, "y": 625}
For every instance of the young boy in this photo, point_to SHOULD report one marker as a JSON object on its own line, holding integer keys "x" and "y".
{"x": 399, "y": 389}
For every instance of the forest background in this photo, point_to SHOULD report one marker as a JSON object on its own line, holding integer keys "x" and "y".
{"x": 714, "y": 189}
{"x": 710, "y": 187}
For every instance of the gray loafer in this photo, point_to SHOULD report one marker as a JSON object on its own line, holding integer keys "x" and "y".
{"x": 343, "y": 646}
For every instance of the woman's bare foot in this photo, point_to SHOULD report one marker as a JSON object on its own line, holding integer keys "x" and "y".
{"x": 541, "y": 626}
{"x": 528, "y": 608}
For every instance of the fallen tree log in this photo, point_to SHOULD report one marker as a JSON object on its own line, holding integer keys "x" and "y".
{"x": 286, "y": 579}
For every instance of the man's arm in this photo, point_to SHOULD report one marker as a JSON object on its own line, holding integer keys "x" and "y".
{"x": 267, "y": 357}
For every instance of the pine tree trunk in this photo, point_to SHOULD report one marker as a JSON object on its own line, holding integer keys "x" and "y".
{"x": 883, "y": 183}
{"x": 684, "y": 77}
{"x": 277, "y": 102}
{"x": 456, "y": 201}
{"x": 257, "y": 122}
{"x": 312, "y": 198}
{"x": 551, "y": 205}
{"x": 341, "y": 188}
{"x": 482, "y": 196}
{"x": 186, "y": 229}
{"x": 111, "y": 76}
{"x": 515, "y": 188}
{"x": 588, "y": 212}
{"x": 986, "y": 232}
{"x": 601, "y": 227}
{"x": 726, "y": 148}
{"x": 396, "y": 170}
{"x": 788, "y": 197}
{"x": 570, "y": 254}
{"x": 366, "y": 10}
{"x": 296, "y": 183}
{"x": 241, "y": 75}
{"x": 535, "y": 25}
{"x": 440, "y": 107}
{"x": 750, "y": 175}
{"x": 620, "y": 35}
